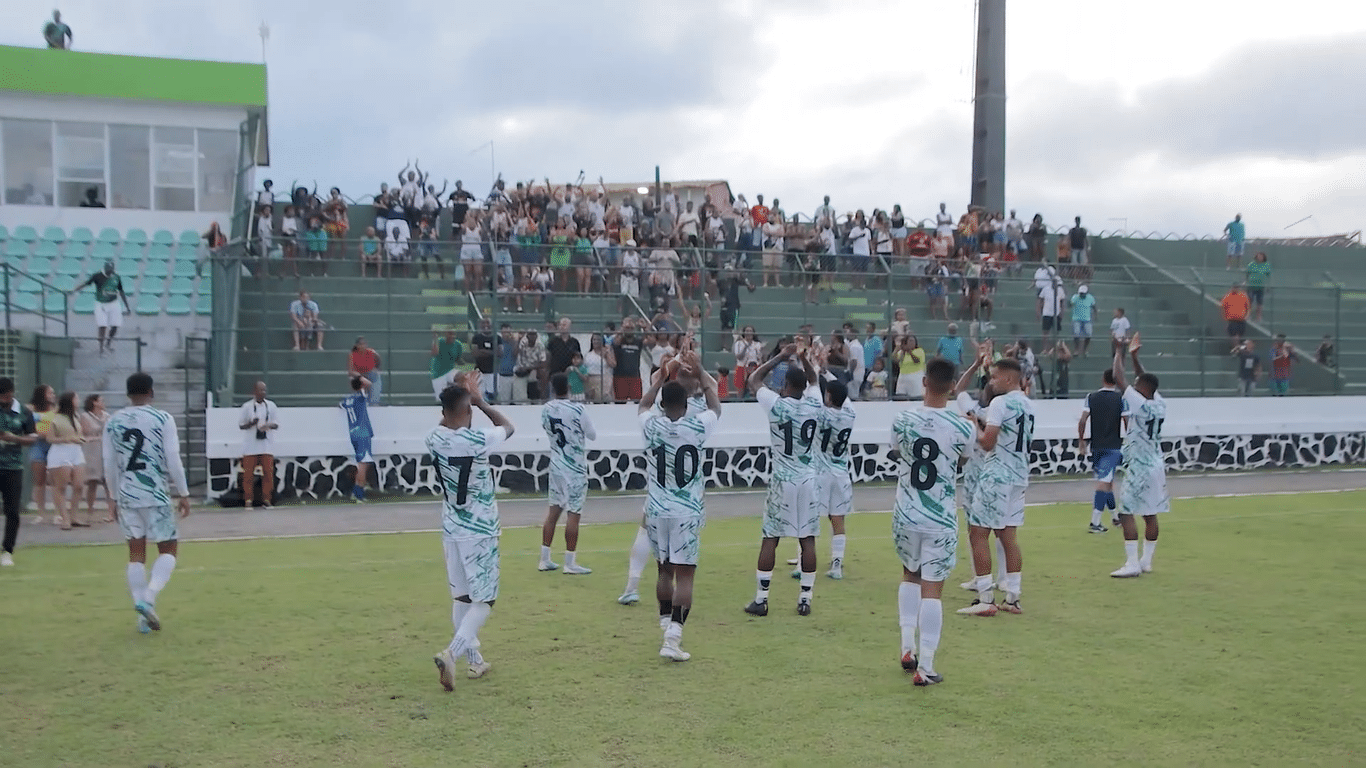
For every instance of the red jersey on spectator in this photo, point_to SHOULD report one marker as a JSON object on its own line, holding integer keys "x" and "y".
{"x": 722, "y": 387}
{"x": 364, "y": 361}
{"x": 759, "y": 215}
{"x": 918, "y": 243}
{"x": 1280, "y": 365}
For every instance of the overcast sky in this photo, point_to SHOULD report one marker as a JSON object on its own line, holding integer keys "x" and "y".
{"x": 1162, "y": 115}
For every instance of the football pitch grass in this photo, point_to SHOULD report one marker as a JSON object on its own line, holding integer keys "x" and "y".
{"x": 1243, "y": 647}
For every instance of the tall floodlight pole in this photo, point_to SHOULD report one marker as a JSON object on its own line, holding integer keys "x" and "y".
{"x": 989, "y": 108}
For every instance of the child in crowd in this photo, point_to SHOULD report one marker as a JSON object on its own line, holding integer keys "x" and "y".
{"x": 1119, "y": 331}
{"x": 875, "y": 387}
{"x": 578, "y": 378}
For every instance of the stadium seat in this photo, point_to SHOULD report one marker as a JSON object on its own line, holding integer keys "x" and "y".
{"x": 156, "y": 268}
{"x": 4, "y": 233}
{"x": 135, "y": 237}
{"x": 47, "y": 249}
{"x": 81, "y": 235}
{"x": 63, "y": 282}
{"x": 26, "y": 301}
{"x": 203, "y": 305}
{"x": 163, "y": 237}
{"x": 39, "y": 266}
{"x": 69, "y": 266}
{"x": 189, "y": 238}
{"x": 103, "y": 252}
{"x": 128, "y": 269}
{"x": 178, "y": 305}
{"x": 148, "y": 304}
{"x": 54, "y": 303}
{"x": 184, "y": 268}
{"x": 27, "y": 285}
{"x": 25, "y": 233}
{"x": 110, "y": 236}
{"x": 85, "y": 304}
{"x": 159, "y": 252}
{"x": 16, "y": 249}
{"x": 54, "y": 235}
{"x": 181, "y": 286}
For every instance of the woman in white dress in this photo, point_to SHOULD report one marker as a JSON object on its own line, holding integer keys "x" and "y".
{"x": 93, "y": 417}
{"x": 65, "y": 462}
{"x": 600, "y": 362}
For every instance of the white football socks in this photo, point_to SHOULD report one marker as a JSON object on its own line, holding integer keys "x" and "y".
{"x": 765, "y": 579}
{"x": 1131, "y": 552}
{"x": 458, "y": 610}
{"x": 640, "y": 555}
{"x": 161, "y": 574}
{"x": 931, "y": 624}
{"x": 908, "y": 606}
{"x": 467, "y": 636}
{"x": 1096, "y": 514}
{"x": 1148, "y": 548}
{"x": 808, "y": 582}
{"x": 568, "y": 559}
{"x": 1011, "y": 586}
{"x": 837, "y": 546}
{"x": 137, "y": 581}
{"x": 545, "y": 555}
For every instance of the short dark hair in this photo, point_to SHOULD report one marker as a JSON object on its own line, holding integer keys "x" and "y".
{"x": 139, "y": 384}
{"x": 1108, "y": 376}
{"x": 453, "y": 396}
{"x": 6, "y": 385}
{"x": 356, "y": 383}
{"x": 796, "y": 378}
{"x": 1148, "y": 379}
{"x": 940, "y": 375}
{"x": 559, "y": 384}
{"x": 1009, "y": 364}
{"x": 838, "y": 393}
{"x": 673, "y": 395}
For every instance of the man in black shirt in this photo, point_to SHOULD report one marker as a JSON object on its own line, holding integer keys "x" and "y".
{"x": 1080, "y": 243}
{"x": 1107, "y": 413}
{"x": 17, "y": 430}
{"x": 108, "y": 313}
{"x": 460, "y": 206}
{"x": 561, "y": 348}
{"x": 728, "y": 285}
{"x": 483, "y": 348}
{"x": 626, "y": 373}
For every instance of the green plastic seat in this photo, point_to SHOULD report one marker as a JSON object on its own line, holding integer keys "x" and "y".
{"x": 184, "y": 268}
{"x": 163, "y": 237}
{"x": 16, "y": 249}
{"x": 156, "y": 268}
{"x": 103, "y": 252}
{"x": 110, "y": 235}
{"x": 54, "y": 303}
{"x": 4, "y": 232}
{"x": 47, "y": 249}
{"x": 63, "y": 282}
{"x": 127, "y": 268}
{"x": 148, "y": 304}
{"x": 178, "y": 306}
{"x": 40, "y": 267}
{"x": 81, "y": 235}
{"x": 203, "y": 305}
{"x": 85, "y": 304}
{"x": 54, "y": 235}
{"x": 27, "y": 302}
{"x": 159, "y": 251}
{"x": 181, "y": 286}
{"x": 26, "y": 233}
{"x": 190, "y": 237}
{"x": 27, "y": 285}
{"x": 69, "y": 266}
{"x": 135, "y": 237}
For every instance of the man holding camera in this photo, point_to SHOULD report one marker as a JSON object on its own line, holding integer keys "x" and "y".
{"x": 258, "y": 419}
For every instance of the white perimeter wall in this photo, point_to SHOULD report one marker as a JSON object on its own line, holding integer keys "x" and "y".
{"x": 401, "y": 430}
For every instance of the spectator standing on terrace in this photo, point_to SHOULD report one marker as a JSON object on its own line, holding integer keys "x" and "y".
{"x": 758, "y": 215}
{"x": 258, "y": 419}
{"x": 315, "y": 242}
{"x": 825, "y": 214}
{"x": 1080, "y": 243}
{"x": 1236, "y": 231}
{"x": 1258, "y": 275}
{"x": 688, "y": 226}
{"x": 626, "y": 348}
{"x": 530, "y": 358}
{"x": 303, "y": 316}
{"x": 460, "y": 205}
{"x": 910, "y": 365}
{"x": 882, "y": 239}
{"x": 1235, "y": 305}
{"x": 291, "y": 238}
{"x": 943, "y": 221}
{"x": 562, "y": 347}
{"x": 364, "y": 362}
{"x": 897, "y": 221}
{"x": 1282, "y": 360}
{"x": 1324, "y": 354}
{"x": 1249, "y": 367}
{"x": 860, "y": 249}
{"x": 335, "y": 221}
{"x": 56, "y": 33}
{"x": 950, "y": 346}
{"x": 1083, "y": 319}
{"x": 858, "y": 365}
{"x": 369, "y": 253}
{"x": 507, "y": 363}
{"x": 1015, "y": 235}
{"x": 772, "y": 232}
{"x": 93, "y": 418}
{"x": 599, "y": 361}
{"x": 1119, "y": 331}
{"x": 17, "y": 430}
{"x": 484, "y": 350}
{"x": 108, "y": 311}
{"x": 447, "y": 354}
{"x": 1036, "y": 237}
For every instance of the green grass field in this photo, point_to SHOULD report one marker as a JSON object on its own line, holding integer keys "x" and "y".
{"x": 1244, "y": 647}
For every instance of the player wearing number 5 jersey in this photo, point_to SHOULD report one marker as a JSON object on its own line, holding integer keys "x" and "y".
{"x": 1144, "y": 488}
{"x": 930, "y": 444}
{"x": 674, "y": 510}
{"x": 834, "y": 489}
{"x": 568, "y": 428}
{"x": 469, "y": 518}
{"x": 793, "y": 418}
{"x": 998, "y": 502}
{"x": 143, "y": 471}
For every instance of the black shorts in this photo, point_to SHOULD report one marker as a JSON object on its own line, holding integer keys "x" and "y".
{"x": 1049, "y": 323}
{"x": 727, "y": 319}
{"x": 1256, "y": 295}
{"x": 973, "y": 284}
{"x": 1237, "y": 327}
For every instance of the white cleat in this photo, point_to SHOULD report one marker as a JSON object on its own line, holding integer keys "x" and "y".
{"x": 445, "y": 667}
{"x": 1129, "y": 571}
{"x": 793, "y": 561}
{"x": 1146, "y": 567}
{"x": 143, "y": 627}
{"x": 6, "y": 560}
{"x": 478, "y": 669}
{"x": 672, "y": 652}
{"x": 629, "y": 598}
{"x": 576, "y": 570}
{"x": 979, "y": 608}
{"x": 971, "y": 585}
{"x": 546, "y": 565}
{"x": 664, "y": 622}
{"x": 836, "y": 571}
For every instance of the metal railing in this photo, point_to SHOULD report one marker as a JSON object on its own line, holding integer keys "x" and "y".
{"x": 26, "y": 296}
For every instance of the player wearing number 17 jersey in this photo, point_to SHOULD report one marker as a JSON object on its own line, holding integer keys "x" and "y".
{"x": 930, "y": 443}
{"x": 143, "y": 471}
{"x": 469, "y": 519}
{"x": 1144, "y": 491}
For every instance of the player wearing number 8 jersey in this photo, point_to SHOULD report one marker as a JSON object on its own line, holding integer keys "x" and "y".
{"x": 469, "y": 520}
{"x": 998, "y": 502}
{"x": 568, "y": 428}
{"x": 674, "y": 510}
{"x": 141, "y": 459}
{"x": 1144, "y": 488}
{"x": 834, "y": 488}
{"x": 930, "y": 444}
{"x": 793, "y": 418}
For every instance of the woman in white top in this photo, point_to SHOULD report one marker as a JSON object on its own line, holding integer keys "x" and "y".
{"x": 748, "y": 350}
{"x": 472, "y": 254}
{"x": 65, "y": 462}
{"x": 773, "y": 253}
{"x": 93, "y": 417}
{"x": 600, "y": 361}
{"x": 660, "y": 348}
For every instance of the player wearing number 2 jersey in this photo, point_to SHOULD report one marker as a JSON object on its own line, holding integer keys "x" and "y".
{"x": 469, "y": 520}
{"x": 1144, "y": 491}
{"x": 568, "y": 428}
{"x": 674, "y": 510}
{"x": 930, "y": 444}
{"x": 143, "y": 471}
{"x": 793, "y": 418}
{"x": 998, "y": 502}
{"x": 834, "y": 489}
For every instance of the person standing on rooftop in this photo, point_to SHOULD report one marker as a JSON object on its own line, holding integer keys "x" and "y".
{"x": 57, "y": 34}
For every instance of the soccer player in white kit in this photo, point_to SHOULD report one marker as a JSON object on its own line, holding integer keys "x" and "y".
{"x": 972, "y": 407}
{"x": 793, "y": 418}
{"x": 834, "y": 488}
{"x": 469, "y": 521}
{"x": 1144, "y": 489}
{"x": 999, "y": 499}
{"x": 674, "y": 508}
{"x": 568, "y": 427}
{"x": 931, "y": 443}
{"x": 141, "y": 459}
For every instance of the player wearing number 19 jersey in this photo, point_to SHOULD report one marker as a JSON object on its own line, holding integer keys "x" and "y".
{"x": 568, "y": 428}
{"x": 930, "y": 443}
{"x": 143, "y": 470}
{"x": 1144, "y": 491}
{"x": 834, "y": 489}
{"x": 469, "y": 520}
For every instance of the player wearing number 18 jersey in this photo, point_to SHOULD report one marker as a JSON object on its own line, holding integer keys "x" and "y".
{"x": 568, "y": 428}
{"x": 469, "y": 519}
{"x": 834, "y": 489}
{"x": 1144, "y": 491}
{"x": 143, "y": 470}
{"x": 930, "y": 443}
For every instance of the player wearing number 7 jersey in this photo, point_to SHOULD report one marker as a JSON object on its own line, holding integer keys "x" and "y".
{"x": 930, "y": 444}
{"x": 143, "y": 470}
{"x": 998, "y": 502}
{"x": 469, "y": 520}
{"x": 568, "y": 427}
{"x": 674, "y": 510}
{"x": 793, "y": 418}
{"x": 1144, "y": 490}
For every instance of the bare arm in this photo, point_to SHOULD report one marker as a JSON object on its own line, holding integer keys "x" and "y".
{"x": 647, "y": 400}
{"x": 808, "y": 367}
{"x": 756, "y": 379}
{"x": 1118, "y": 370}
{"x": 1138, "y": 367}
{"x": 1081, "y": 431}
{"x": 988, "y": 437}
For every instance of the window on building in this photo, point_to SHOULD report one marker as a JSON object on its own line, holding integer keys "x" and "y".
{"x": 28, "y": 161}
{"x": 130, "y": 167}
{"x": 173, "y": 168}
{"x": 80, "y": 163}
{"x": 217, "y": 169}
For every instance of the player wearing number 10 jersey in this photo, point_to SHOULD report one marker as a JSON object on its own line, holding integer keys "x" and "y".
{"x": 1144, "y": 491}
{"x": 141, "y": 459}
{"x": 930, "y": 443}
{"x": 469, "y": 519}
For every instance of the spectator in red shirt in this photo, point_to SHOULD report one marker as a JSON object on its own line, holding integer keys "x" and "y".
{"x": 364, "y": 362}
{"x": 1282, "y": 360}
{"x": 758, "y": 215}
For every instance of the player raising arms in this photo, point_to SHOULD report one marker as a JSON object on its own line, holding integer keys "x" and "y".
{"x": 469, "y": 519}
{"x": 793, "y": 417}
{"x": 973, "y": 405}
{"x": 674, "y": 510}
{"x": 141, "y": 459}
{"x": 931, "y": 442}
{"x": 568, "y": 427}
{"x": 998, "y": 502}
{"x": 1144, "y": 490}
{"x": 834, "y": 488}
